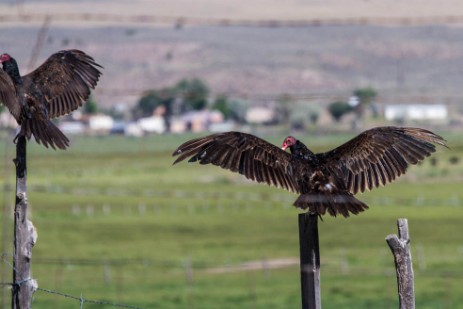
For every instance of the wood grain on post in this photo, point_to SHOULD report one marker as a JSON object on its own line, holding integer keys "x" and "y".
{"x": 310, "y": 261}
{"x": 25, "y": 236}
{"x": 400, "y": 247}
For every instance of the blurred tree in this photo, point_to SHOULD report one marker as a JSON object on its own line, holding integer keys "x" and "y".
{"x": 365, "y": 96}
{"x": 153, "y": 99}
{"x": 313, "y": 117}
{"x": 339, "y": 109}
{"x": 116, "y": 112}
{"x": 90, "y": 107}
{"x": 303, "y": 114}
{"x": 221, "y": 104}
{"x": 185, "y": 95}
{"x": 193, "y": 93}
{"x": 454, "y": 160}
{"x": 283, "y": 110}
{"x": 147, "y": 103}
{"x": 238, "y": 109}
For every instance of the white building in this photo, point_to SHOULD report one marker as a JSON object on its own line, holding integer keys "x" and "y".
{"x": 153, "y": 124}
{"x": 416, "y": 112}
{"x": 100, "y": 123}
{"x": 260, "y": 114}
{"x": 196, "y": 121}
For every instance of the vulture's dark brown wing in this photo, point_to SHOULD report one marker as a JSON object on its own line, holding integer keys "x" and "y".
{"x": 8, "y": 95}
{"x": 378, "y": 156}
{"x": 65, "y": 80}
{"x": 243, "y": 153}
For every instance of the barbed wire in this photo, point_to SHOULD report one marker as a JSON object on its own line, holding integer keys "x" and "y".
{"x": 80, "y": 299}
{"x": 84, "y": 300}
{"x": 180, "y": 21}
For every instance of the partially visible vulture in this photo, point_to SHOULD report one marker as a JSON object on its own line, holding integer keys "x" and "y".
{"x": 325, "y": 181}
{"x": 56, "y": 88}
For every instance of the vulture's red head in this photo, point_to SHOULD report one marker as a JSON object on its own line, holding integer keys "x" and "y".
{"x": 288, "y": 142}
{"x": 5, "y": 58}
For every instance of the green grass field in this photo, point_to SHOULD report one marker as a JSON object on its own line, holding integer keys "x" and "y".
{"x": 118, "y": 223}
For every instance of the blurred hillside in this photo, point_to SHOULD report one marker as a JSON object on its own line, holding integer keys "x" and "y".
{"x": 254, "y": 9}
{"x": 257, "y": 61}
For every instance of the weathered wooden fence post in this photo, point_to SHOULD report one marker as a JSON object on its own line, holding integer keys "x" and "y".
{"x": 25, "y": 236}
{"x": 400, "y": 247}
{"x": 310, "y": 261}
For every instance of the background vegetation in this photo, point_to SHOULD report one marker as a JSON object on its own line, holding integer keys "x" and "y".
{"x": 117, "y": 222}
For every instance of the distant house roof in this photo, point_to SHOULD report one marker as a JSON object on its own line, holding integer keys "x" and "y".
{"x": 205, "y": 116}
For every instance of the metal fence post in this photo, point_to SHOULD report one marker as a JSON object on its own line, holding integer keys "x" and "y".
{"x": 310, "y": 261}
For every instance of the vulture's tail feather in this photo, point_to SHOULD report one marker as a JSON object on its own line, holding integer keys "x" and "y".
{"x": 45, "y": 132}
{"x": 340, "y": 203}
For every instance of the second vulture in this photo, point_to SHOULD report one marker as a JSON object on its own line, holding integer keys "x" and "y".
{"x": 325, "y": 181}
{"x": 56, "y": 88}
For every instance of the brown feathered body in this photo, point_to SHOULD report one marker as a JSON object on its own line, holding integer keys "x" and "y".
{"x": 57, "y": 87}
{"x": 325, "y": 182}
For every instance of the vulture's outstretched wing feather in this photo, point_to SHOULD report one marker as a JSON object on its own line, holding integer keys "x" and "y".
{"x": 377, "y": 156}
{"x": 65, "y": 80}
{"x": 243, "y": 153}
{"x": 8, "y": 96}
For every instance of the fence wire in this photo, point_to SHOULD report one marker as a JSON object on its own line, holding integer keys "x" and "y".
{"x": 81, "y": 299}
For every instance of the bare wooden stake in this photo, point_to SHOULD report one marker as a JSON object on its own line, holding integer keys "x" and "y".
{"x": 400, "y": 247}
{"x": 310, "y": 261}
{"x": 25, "y": 236}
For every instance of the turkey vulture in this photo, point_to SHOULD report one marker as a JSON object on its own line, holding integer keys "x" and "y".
{"x": 325, "y": 181}
{"x": 57, "y": 87}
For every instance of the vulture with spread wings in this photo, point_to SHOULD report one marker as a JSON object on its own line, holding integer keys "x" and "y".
{"x": 57, "y": 87}
{"x": 326, "y": 181}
